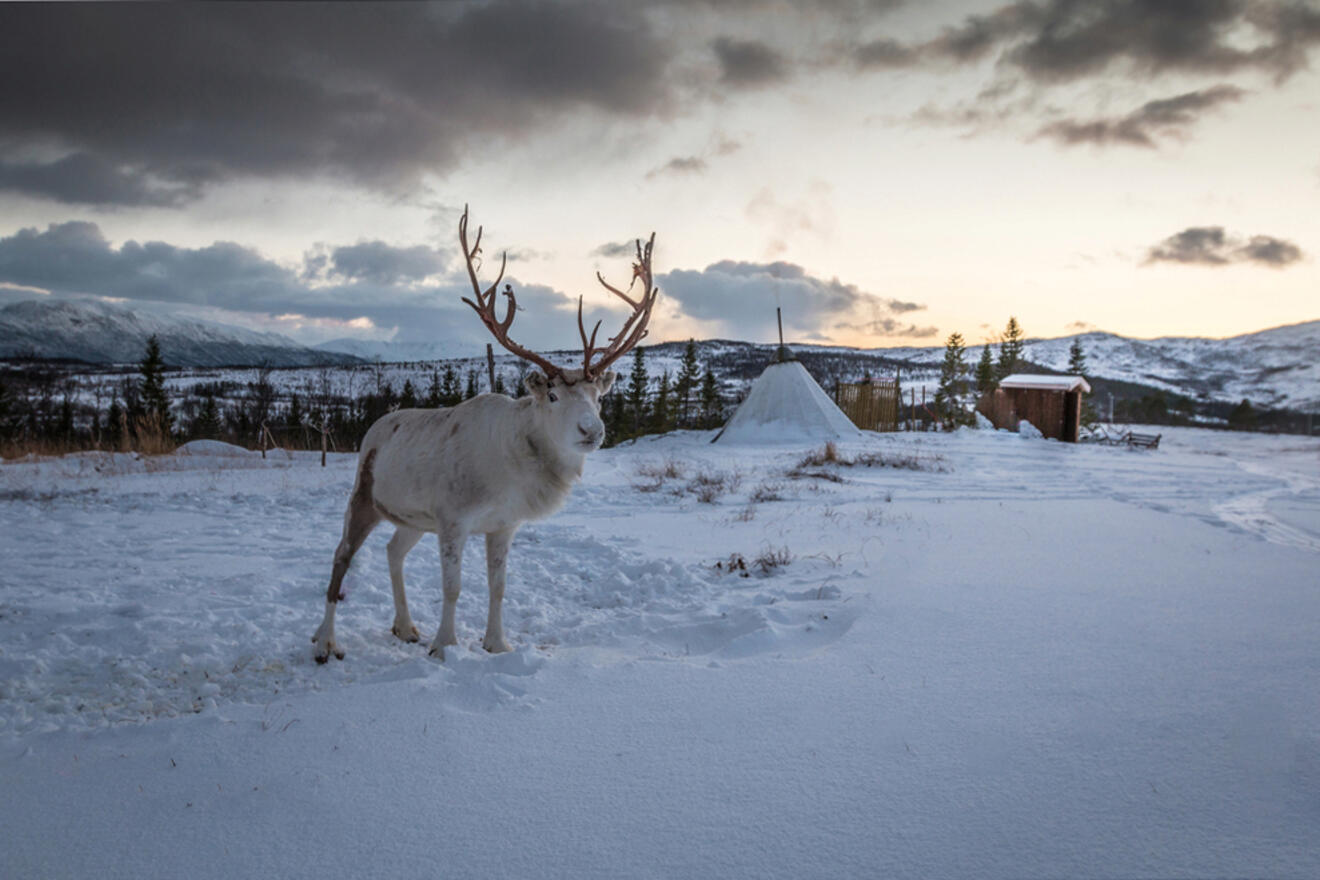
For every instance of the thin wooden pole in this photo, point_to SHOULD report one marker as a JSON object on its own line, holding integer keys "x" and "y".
{"x": 490, "y": 366}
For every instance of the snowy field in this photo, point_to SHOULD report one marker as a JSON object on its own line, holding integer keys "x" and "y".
{"x": 977, "y": 656}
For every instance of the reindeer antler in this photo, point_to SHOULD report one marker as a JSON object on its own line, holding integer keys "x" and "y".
{"x": 632, "y": 332}
{"x": 634, "y": 329}
{"x": 485, "y": 304}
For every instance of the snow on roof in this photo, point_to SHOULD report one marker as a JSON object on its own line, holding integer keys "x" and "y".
{"x": 786, "y": 405}
{"x": 1046, "y": 383}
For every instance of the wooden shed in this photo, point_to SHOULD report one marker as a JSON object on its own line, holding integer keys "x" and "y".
{"x": 1053, "y": 404}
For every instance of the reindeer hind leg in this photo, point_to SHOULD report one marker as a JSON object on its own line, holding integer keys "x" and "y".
{"x": 359, "y": 520}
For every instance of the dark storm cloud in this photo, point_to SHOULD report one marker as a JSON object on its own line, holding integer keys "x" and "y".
{"x": 75, "y": 259}
{"x": 740, "y": 298}
{"x": 745, "y": 63}
{"x": 1169, "y": 117}
{"x": 1062, "y": 40}
{"x": 382, "y": 263}
{"x": 148, "y": 103}
{"x": 82, "y": 178}
{"x": 1212, "y": 246}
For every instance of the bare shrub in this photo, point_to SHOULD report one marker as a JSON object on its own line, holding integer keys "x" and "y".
{"x": 152, "y": 436}
{"x": 747, "y": 514}
{"x": 669, "y": 469}
{"x": 773, "y": 558}
{"x": 735, "y": 564}
{"x": 766, "y": 492}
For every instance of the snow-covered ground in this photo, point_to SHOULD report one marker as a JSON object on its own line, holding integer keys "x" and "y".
{"x": 998, "y": 657}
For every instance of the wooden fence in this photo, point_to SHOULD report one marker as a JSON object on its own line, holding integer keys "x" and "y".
{"x": 871, "y": 405}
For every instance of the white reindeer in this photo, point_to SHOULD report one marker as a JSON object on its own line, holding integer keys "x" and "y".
{"x": 485, "y": 466}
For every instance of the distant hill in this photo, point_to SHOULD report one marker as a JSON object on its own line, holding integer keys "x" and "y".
{"x": 99, "y": 333}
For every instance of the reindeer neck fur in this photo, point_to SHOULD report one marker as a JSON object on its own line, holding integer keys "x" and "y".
{"x": 548, "y": 471}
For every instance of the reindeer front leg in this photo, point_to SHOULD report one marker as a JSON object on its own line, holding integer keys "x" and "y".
{"x": 451, "y": 577}
{"x": 497, "y": 556}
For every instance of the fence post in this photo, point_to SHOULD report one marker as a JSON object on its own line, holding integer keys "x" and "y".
{"x": 323, "y": 434}
{"x": 263, "y": 439}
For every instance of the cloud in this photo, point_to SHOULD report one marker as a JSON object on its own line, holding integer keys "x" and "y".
{"x": 746, "y": 63}
{"x": 371, "y": 280}
{"x": 1212, "y": 246}
{"x": 679, "y": 165}
{"x": 615, "y": 249}
{"x": 82, "y": 178}
{"x": 137, "y": 105}
{"x": 381, "y": 263}
{"x": 1168, "y": 117}
{"x": 1063, "y": 40}
{"x": 738, "y": 299}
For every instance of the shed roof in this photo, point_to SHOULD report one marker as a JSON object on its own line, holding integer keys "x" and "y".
{"x": 1045, "y": 383}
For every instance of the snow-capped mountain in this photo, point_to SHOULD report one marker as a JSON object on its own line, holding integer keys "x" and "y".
{"x": 1277, "y": 368}
{"x": 100, "y": 333}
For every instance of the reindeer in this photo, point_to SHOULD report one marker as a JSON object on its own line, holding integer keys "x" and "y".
{"x": 485, "y": 466}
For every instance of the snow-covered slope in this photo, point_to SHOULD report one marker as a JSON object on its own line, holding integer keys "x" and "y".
{"x": 1277, "y": 368}
{"x": 999, "y": 658}
{"x": 100, "y": 333}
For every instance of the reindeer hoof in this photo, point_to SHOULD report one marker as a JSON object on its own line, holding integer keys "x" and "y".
{"x": 325, "y": 649}
{"x": 438, "y": 652}
{"x": 496, "y": 647}
{"x": 407, "y": 633}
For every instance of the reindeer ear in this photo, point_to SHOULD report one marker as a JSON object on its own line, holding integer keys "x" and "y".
{"x": 605, "y": 381}
{"x": 537, "y": 384}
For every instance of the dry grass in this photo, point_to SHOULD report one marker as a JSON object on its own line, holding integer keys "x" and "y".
{"x": 772, "y": 558}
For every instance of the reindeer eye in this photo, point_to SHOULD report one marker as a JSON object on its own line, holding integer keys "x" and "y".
{"x": 551, "y": 394}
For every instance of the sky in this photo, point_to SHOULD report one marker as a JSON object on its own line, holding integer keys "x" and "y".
{"x": 886, "y": 172}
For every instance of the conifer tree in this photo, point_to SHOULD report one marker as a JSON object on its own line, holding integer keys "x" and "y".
{"x": 207, "y": 424}
{"x": 710, "y": 400}
{"x": 948, "y": 397}
{"x": 451, "y": 393}
{"x": 434, "y": 396}
{"x": 685, "y": 386}
{"x": 499, "y": 383}
{"x": 637, "y": 382}
{"x": 1076, "y": 358}
{"x": 985, "y": 372}
{"x": 470, "y": 391}
{"x": 408, "y": 396}
{"x": 1010, "y": 348}
{"x": 155, "y": 400}
{"x": 660, "y": 416}
{"x": 293, "y": 419}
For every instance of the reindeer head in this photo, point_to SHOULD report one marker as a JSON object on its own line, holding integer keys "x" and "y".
{"x": 567, "y": 401}
{"x": 567, "y": 408}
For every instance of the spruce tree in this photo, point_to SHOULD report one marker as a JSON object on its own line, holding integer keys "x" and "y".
{"x": 207, "y": 424}
{"x": 710, "y": 400}
{"x": 499, "y": 383}
{"x": 637, "y": 382}
{"x": 660, "y": 417}
{"x": 434, "y": 396}
{"x": 451, "y": 393}
{"x": 155, "y": 400}
{"x": 1076, "y": 358}
{"x": 685, "y": 386}
{"x": 407, "y": 397}
{"x": 1010, "y": 348}
{"x": 985, "y": 372}
{"x": 948, "y": 397}
{"x": 470, "y": 391}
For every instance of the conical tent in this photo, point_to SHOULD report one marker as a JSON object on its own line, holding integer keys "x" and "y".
{"x": 786, "y": 405}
